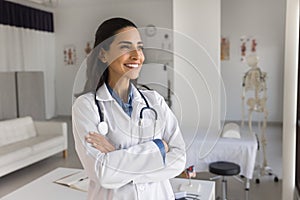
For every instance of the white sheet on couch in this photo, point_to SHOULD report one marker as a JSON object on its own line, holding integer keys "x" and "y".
{"x": 241, "y": 151}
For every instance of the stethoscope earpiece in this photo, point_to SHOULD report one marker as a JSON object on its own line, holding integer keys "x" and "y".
{"x": 103, "y": 128}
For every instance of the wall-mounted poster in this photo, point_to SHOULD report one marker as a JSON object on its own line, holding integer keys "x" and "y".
{"x": 88, "y": 48}
{"x": 70, "y": 55}
{"x": 248, "y": 45}
{"x": 225, "y": 48}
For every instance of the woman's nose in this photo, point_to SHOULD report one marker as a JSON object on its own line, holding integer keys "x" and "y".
{"x": 135, "y": 54}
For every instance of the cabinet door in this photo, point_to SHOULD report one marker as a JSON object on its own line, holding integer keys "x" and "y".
{"x": 8, "y": 102}
{"x": 31, "y": 95}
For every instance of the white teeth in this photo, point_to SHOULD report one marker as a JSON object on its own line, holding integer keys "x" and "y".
{"x": 132, "y": 65}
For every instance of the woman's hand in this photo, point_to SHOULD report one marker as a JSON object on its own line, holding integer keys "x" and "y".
{"x": 99, "y": 142}
{"x": 166, "y": 146}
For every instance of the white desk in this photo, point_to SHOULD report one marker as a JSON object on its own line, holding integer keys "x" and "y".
{"x": 207, "y": 190}
{"x": 44, "y": 188}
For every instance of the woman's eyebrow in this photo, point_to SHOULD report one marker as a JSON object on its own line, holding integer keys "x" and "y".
{"x": 128, "y": 42}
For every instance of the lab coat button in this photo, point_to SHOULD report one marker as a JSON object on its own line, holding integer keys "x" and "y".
{"x": 142, "y": 187}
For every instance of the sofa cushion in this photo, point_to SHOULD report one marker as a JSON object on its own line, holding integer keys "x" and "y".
{"x": 13, "y": 152}
{"x": 18, "y": 150}
{"x": 45, "y": 142}
{"x": 16, "y": 130}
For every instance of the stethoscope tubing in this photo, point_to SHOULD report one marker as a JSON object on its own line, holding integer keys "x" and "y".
{"x": 99, "y": 110}
{"x": 141, "y": 112}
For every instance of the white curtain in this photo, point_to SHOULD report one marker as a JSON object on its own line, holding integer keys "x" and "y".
{"x": 24, "y": 49}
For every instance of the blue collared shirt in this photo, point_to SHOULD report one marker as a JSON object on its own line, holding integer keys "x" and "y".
{"x": 127, "y": 107}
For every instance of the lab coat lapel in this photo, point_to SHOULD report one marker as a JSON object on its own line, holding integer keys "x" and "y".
{"x": 103, "y": 94}
{"x": 137, "y": 104}
{"x": 136, "y": 95}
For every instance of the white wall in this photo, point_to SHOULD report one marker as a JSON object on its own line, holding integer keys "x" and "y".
{"x": 265, "y": 20}
{"x": 196, "y": 63}
{"x": 76, "y": 22}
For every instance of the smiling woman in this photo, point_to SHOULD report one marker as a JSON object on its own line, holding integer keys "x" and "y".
{"x": 128, "y": 140}
{"x": 124, "y": 58}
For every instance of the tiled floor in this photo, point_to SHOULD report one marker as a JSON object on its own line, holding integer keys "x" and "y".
{"x": 267, "y": 189}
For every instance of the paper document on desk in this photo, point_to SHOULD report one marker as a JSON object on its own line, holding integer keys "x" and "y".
{"x": 77, "y": 180}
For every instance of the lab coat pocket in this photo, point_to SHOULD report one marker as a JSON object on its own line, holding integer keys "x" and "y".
{"x": 146, "y": 130}
{"x": 151, "y": 129}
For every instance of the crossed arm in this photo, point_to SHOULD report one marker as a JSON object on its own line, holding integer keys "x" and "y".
{"x": 99, "y": 142}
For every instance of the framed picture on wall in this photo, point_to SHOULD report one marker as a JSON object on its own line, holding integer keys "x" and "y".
{"x": 70, "y": 55}
{"x": 88, "y": 47}
{"x": 225, "y": 48}
{"x": 248, "y": 45}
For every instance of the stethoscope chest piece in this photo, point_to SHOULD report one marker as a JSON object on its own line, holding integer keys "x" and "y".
{"x": 103, "y": 128}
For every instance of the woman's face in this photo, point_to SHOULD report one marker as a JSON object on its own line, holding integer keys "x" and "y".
{"x": 125, "y": 55}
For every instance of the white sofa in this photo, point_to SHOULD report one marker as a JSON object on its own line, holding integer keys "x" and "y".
{"x": 24, "y": 141}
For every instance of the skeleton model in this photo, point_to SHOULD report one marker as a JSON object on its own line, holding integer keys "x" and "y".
{"x": 254, "y": 81}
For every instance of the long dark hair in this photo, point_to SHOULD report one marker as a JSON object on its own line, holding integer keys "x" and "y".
{"x": 97, "y": 71}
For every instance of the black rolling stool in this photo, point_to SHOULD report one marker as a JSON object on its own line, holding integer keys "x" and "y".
{"x": 224, "y": 169}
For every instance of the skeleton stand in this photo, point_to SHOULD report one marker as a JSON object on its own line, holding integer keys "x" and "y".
{"x": 255, "y": 80}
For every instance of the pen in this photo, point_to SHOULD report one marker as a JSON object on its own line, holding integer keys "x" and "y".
{"x": 82, "y": 179}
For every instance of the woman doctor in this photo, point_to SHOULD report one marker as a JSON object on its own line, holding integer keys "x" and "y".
{"x": 128, "y": 152}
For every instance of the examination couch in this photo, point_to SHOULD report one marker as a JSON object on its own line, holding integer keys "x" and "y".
{"x": 24, "y": 142}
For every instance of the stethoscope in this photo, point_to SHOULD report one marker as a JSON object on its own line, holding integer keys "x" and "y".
{"x": 103, "y": 126}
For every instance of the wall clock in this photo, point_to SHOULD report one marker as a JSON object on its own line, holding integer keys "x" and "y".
{"x": 150, "y": 30}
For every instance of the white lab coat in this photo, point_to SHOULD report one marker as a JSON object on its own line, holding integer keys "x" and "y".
{"x": 135, "y": 170}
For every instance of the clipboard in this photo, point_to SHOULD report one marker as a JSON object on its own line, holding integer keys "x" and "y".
{"x": 77, "y": 180}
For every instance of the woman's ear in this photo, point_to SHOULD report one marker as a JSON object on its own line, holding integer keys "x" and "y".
{"x": 102, "y": 55}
